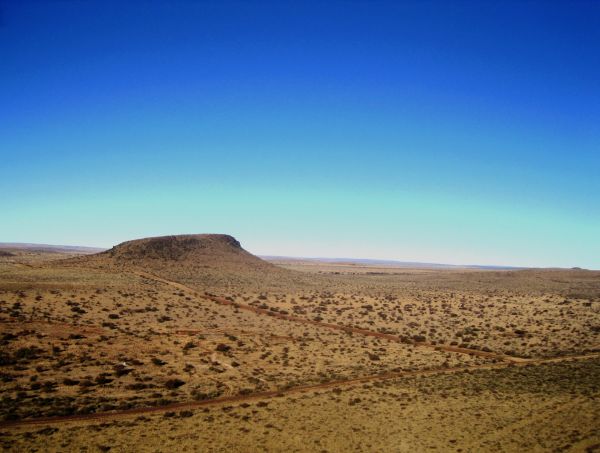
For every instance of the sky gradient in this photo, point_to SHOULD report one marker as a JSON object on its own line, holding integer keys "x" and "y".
{"x": 454, "y": 132}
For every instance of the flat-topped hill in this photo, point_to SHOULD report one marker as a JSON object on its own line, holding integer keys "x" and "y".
{"x": 204, "y": 259}
{"x": 215, "y": 250}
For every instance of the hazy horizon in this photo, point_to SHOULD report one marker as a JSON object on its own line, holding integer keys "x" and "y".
{"x": 314, "y": 257}
{"x": 439, "y": 132}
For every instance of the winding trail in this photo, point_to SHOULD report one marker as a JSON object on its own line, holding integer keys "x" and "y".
{"x": 503, "y": 361}
{"x": 348, "y": 329}
{"x": 186, "y": 405}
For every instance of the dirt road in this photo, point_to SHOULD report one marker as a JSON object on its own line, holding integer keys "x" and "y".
{"x": 504, "y": 361}
{"x": 187, "y": 405}
{"x": 348, "y": 329}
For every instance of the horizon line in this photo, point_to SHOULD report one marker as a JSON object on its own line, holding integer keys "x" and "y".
{"x": 331, "y": 260}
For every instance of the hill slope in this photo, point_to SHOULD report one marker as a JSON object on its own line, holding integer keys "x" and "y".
{"x": 204, "y": 260}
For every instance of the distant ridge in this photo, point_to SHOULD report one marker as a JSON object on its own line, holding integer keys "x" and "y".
{"x": 391, "y": 263}
{"x": 48, "y": 248}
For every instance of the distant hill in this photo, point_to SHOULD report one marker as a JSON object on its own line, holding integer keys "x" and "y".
{"x": 47, "y": 248}
{"x": 201, "y": 259}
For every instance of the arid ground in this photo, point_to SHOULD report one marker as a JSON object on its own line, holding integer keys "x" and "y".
{"x": 192, "y": 343}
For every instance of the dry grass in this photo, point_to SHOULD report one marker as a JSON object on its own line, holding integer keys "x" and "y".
{"x": 91, "y": 335}
{"x": 543, "y": 408}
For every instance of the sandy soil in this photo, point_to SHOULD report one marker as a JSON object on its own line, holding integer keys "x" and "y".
{"x": 98, "y": 356}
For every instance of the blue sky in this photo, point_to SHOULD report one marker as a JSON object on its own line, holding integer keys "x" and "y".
{"x": 456, "y": 132}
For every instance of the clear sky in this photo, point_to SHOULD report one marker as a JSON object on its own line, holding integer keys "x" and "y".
{"x": 454, "y": 132}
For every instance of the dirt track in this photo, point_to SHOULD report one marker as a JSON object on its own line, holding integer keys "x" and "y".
{"x": 354, "y": 330}
{"x": 275, "y": 393}
{"x": 505, "y": 361}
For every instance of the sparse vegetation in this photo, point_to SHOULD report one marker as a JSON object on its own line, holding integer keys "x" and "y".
{"x": 86, "y": 338}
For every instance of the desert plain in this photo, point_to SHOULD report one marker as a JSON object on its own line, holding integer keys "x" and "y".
{"x": 191, "y": 343}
